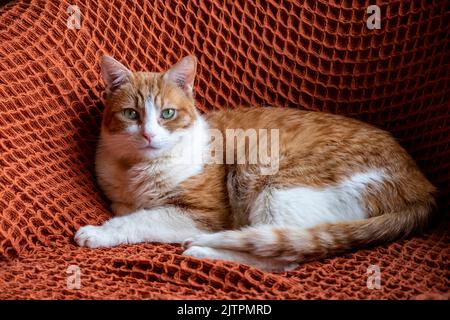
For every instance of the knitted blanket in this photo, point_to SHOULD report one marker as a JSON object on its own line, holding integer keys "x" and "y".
{"x": 309, "y": 54}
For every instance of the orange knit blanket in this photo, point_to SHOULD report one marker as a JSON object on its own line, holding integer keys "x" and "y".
{"x": 311, "y": 54}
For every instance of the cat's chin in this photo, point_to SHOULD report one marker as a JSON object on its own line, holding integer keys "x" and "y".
{"x": 149, "y": 148}
{"x": 150, "y": 152}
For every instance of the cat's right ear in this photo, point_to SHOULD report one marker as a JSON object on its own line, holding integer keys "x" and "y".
{"x": 114, "y": 73}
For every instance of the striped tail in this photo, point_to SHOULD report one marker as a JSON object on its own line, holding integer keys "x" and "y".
{"x": 292, "y": 244}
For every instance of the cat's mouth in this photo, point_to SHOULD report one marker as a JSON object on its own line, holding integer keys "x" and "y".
{"x": 149, "y": 148}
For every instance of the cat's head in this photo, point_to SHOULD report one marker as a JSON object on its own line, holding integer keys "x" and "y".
{"x": 147, "y": 113}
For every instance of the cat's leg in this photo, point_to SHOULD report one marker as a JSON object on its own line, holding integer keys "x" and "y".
{"x": 121, "y": 209}
{"x": 265, "y": 264}
{"x": 298, "y": 207}
{"x": 272, "y": 212}
{"x": 164, "y": 224}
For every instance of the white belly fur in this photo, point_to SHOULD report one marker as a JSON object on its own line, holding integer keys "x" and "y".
{"x": 306, "y": 206}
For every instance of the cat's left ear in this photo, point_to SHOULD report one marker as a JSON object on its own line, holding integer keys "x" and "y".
{"x": 182, "y": 74}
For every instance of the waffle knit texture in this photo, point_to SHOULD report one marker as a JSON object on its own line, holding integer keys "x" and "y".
{"x": 308, "y": 54}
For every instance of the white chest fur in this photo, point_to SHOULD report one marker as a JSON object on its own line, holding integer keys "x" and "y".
{"x": 148, "y": 182}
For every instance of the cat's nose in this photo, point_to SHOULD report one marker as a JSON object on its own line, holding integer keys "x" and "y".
{"x": 148, "y": 136}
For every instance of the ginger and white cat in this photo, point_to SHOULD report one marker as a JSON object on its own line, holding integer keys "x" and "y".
{"x": 339, "y": 184}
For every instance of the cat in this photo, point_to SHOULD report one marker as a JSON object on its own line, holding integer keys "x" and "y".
{"x": 339, "y": 184}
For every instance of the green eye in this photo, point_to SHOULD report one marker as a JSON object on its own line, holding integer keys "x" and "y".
{"x": 130, "y": 114}
{"x": 167, "y": 113}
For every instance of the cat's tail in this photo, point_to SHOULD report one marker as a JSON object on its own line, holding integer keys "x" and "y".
{"x": 291, "y": 244}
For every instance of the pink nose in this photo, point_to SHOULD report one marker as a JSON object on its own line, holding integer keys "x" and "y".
{"x": 147, "y": 136}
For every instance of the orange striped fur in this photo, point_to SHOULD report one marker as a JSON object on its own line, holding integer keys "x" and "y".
{"x": 340, "y": 184}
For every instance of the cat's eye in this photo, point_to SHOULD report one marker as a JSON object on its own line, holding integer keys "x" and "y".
{"x": 168, "y": 113}
{"x": 130, "y": 114}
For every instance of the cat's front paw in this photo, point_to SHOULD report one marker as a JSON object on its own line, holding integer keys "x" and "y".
{"x": 198, "y": 240}
{"x": 94, "y": 237}
{"x": 201, "y": 253}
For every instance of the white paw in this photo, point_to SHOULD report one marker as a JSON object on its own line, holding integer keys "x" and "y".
{"x": 270, "y": 266}
{"x": 94, "y": 237}
{"x": 201, "y": 253}
{"x": 200, "y": 240}
{"x": 285, "y": 267}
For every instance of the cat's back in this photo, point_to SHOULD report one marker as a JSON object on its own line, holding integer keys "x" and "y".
{"x": 328, "y": 147}
{"x": 301, "y": 129}
{"x": 285, "y": 119}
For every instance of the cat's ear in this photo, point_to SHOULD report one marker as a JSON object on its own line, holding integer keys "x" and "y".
{"x": 114, "y": 73}
{"x": 182, "y": 74}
